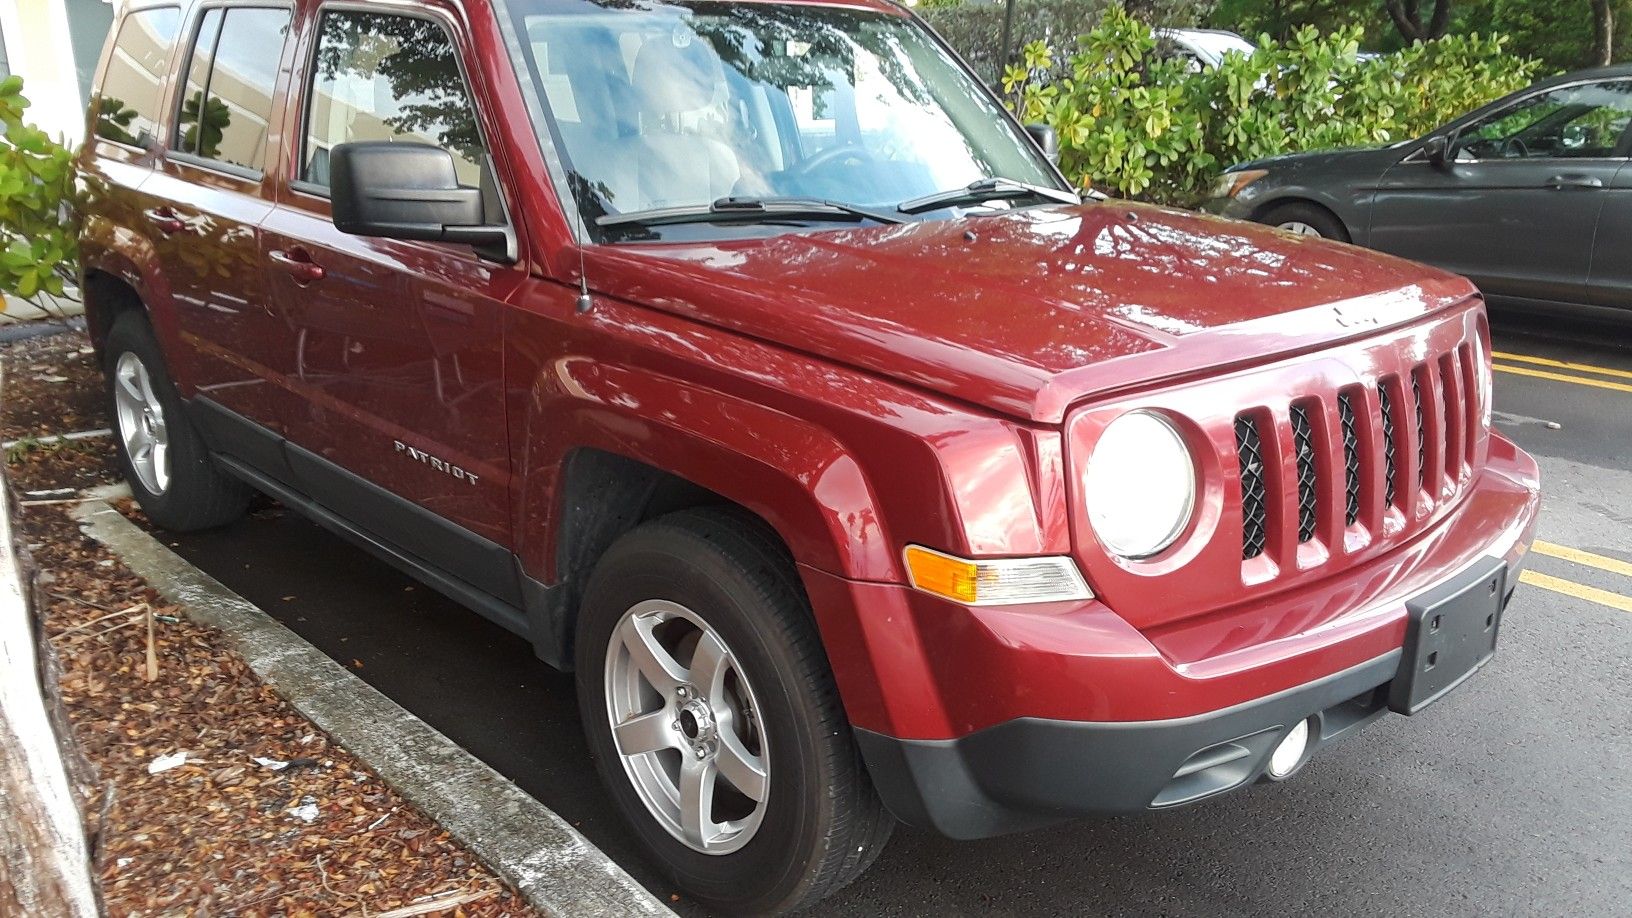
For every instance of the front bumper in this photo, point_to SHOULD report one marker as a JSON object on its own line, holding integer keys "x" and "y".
{"x": 1030, "y": 772}
{"x": 982, "y": 721}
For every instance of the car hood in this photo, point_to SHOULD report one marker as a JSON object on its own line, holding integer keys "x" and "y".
{"x": 1028, "y": 312}
{"x": 1381, "y": 157}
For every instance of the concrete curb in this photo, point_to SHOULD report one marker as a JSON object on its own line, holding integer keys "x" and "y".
{"x": 550, "y": 864}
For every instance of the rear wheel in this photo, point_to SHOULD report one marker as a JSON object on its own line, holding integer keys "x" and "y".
{"x": 713, "y": 717}
{"x": 161, "y": 455}
{"x": 1306, "y": 219}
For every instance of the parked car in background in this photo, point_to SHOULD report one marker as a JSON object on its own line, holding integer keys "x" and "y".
{"x": 1529, "y": 196}
{"x": 751, "y": 361}
{"x": 1202, "y": 48}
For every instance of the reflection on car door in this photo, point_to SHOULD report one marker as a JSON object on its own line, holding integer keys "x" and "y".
{"x": 398, "y": 345}
{"x": 1516, "y": 204}
{"x": 206, "y": 202}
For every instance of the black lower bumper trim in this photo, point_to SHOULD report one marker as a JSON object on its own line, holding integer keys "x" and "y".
{"x": 1030, "y": 772}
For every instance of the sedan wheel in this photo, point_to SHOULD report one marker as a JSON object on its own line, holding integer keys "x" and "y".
{"x": 688, "y": 732}
{"x": 1298, "y": 228}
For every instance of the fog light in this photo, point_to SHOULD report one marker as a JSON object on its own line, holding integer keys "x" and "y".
{"x": 1288, "y": 755}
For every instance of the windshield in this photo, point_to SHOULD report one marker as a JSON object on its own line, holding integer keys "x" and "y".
{"x": 664, "y": 105}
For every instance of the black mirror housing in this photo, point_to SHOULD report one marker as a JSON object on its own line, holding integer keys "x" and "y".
{"x": 1437, "y": 150}
{"x": 406, "y": 191}
{"x": 1047, "y": 140}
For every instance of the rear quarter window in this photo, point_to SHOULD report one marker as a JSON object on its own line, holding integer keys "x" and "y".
{"x": 226, "y": 106}
{"x": 134, "y": 81}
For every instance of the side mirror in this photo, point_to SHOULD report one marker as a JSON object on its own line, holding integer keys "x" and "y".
{"x": 1437, "y": 150}
{"x": 1046, "y": 140}
{"x": 407, "y": 191}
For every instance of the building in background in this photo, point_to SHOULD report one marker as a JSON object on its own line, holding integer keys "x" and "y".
{"x": 54, "y": 45}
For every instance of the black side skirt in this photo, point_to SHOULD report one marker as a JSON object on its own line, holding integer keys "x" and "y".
{"x": 467, "y": 568}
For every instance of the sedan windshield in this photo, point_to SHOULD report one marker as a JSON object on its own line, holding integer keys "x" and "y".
{"x": 657, "y": 106}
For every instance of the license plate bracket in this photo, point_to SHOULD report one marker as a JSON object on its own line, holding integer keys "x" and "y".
{"x": 1450, "y": 634}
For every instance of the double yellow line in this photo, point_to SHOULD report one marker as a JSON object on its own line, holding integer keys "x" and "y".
{"x": 1554, "y": 366}
{"x": 1580, "y": 590}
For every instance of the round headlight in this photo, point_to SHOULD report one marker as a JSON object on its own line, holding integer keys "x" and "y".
{"x": 1140, "y": 485}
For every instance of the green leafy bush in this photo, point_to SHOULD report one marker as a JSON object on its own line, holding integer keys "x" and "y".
{"x": 37, "y": 244}
{"x": 1134, "y": 124}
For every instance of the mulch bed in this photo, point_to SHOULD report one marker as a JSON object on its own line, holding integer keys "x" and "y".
{"x": 266, "y": 815}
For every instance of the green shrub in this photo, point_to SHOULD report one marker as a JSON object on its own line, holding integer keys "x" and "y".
{"x": 1136, "y": 125}
{"x": 37, "y": 245}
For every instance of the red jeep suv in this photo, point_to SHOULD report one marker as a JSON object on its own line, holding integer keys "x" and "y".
{"x": 749, "y": 359}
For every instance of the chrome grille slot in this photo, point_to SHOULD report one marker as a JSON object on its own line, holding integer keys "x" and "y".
{"x": 1351, "y": 459}
{"x": 1249, "y": 450}
{"x": 1385, "y": 407}
{"x": 1303, "y": 446}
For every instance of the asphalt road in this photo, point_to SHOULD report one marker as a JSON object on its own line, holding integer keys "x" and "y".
{"x": 1513, "y": 796}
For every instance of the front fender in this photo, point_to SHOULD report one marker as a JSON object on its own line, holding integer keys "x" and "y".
{"x": 846, "y": 467}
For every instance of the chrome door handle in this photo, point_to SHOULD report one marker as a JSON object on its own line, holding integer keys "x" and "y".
{"x": 165, "y": 219}
{"x": 297, "y": 263}
{"x": 1564, "y": 182}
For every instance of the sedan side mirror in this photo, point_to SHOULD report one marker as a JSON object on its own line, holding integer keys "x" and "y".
{"x": 1437, "y": 150}
{"x": 1047, "y": 140}
{"x": 408, "y": 191}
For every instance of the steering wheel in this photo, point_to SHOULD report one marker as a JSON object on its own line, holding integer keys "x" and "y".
{"x": 833, "y": 155}
{"x": 1513, "y": 148}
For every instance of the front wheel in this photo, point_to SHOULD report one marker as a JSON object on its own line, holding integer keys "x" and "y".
{"x": 1303, "y": 219}
{"x": 713, "y": 717}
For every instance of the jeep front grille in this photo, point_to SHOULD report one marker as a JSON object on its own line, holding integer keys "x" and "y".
{"x": 1346, "y": 433}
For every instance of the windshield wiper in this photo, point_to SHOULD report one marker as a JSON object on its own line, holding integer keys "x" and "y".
{"x": 748, "y": 209}
{"x": 988, "y": 189}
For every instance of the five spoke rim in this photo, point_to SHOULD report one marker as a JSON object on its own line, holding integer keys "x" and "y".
{"x": 687, "y": 727}
{"x": 1299, "y": 228}
{"x": 142, "y": 428}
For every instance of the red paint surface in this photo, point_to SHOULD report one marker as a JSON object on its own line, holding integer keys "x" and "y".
{"x": 861, "y": 390}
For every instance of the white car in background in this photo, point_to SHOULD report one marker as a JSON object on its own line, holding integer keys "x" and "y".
{"x": 1203, "y": 48}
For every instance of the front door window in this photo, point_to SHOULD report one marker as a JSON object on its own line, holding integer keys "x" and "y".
{"x": 1585, "y": 121}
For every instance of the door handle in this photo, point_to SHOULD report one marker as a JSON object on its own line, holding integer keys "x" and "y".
{"x": 1564, "y": 182}
{"x": 297, "y": 263}
{"x": 165, "y": 219}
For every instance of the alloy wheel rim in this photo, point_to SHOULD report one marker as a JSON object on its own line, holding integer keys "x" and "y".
{"x": 687, "y": 727}
{"x": 1298, "y": 228}
{"x": 142, "y": 428}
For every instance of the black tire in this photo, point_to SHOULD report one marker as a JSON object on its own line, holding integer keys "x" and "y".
{"x": 1322, "y": 221}
{"x": 823, "y": 823}
{"x": 199, "y": 495}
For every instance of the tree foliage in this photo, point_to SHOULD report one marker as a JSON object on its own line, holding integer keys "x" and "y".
{"x": 1135, "y": 124}
{"x": 1562, "y": 34}
{"x": 37, "y": 245}
{"x": 976, "y": 29}
{"x": 1408, "y": 18}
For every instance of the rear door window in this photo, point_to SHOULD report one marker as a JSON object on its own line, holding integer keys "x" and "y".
{"x": 133, "y": 84}
{"x": 379, "y": 76}
{"x": 226, "y": 106}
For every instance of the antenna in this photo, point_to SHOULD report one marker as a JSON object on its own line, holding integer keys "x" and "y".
{"x": 585, "y": 302}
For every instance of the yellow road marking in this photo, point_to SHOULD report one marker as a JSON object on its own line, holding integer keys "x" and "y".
{"x": 1562, "y": 364}
{"x": 1612, "y": 565}
{"x": 1577, "y": 590}
{"x": 1578, "y": 380}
